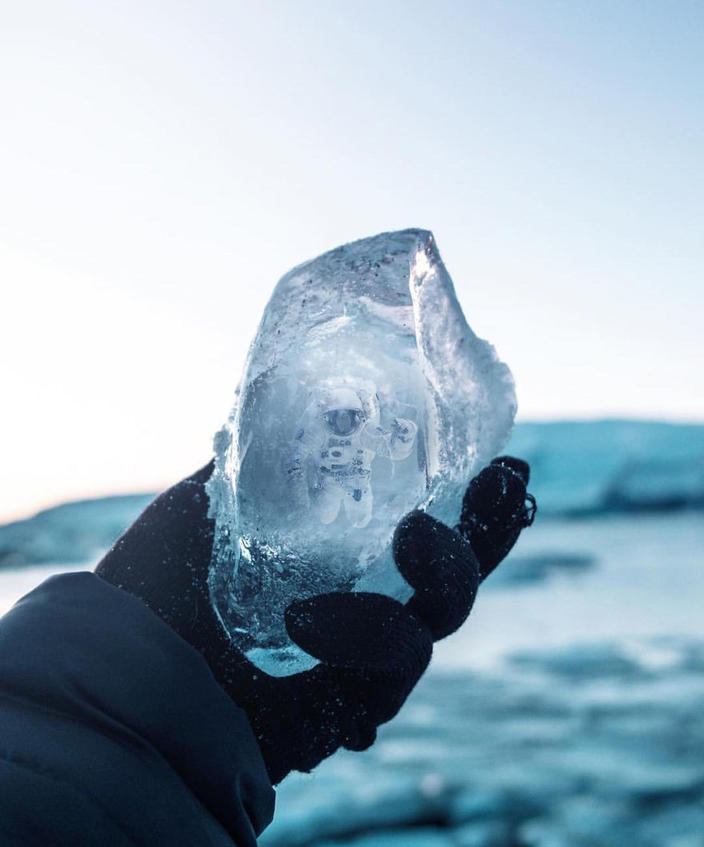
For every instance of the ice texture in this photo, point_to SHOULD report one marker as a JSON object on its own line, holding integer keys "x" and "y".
{"x": 364, "y": 395}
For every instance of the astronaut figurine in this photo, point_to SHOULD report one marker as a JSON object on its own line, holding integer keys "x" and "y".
{"x": 339, "y": 437}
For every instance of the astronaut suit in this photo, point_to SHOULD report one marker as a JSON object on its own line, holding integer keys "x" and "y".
{"x": 339, "y": 437}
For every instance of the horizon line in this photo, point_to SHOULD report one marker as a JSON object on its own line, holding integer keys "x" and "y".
{"x": 150, "y": 491}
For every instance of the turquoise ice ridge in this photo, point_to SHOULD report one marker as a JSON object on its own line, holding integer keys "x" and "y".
{"x": 364, "y": 395}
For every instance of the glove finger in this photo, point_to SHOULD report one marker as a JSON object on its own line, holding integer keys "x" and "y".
{"x": 440, "y": 564}
{"x": 497, "y": 494}
{"x": 518, "y": 466}
{"x": 362, "y": 631}
{"x": 360, "y": 740}
{"x": 494, "y": 510}
{"x": 372, "y": 652}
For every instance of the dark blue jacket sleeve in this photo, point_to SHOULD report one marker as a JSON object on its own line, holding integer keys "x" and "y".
{"x": 113, "y": 731}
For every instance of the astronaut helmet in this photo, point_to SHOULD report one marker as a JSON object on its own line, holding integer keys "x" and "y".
{"x": 344, "y": 407}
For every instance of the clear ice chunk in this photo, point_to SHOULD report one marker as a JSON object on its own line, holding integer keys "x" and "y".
{"x": 364, "y": 395}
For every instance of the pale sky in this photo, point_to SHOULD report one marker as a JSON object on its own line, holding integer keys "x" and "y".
{"x": 162, "y": 164}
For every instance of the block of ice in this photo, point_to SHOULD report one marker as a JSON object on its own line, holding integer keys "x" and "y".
{"x": 365, "y": 395}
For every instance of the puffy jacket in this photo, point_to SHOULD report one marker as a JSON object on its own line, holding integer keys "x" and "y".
{"x": 113, "y": 730}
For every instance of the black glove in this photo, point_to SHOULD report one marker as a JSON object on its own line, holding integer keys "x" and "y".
{"x": 372, "y": 649}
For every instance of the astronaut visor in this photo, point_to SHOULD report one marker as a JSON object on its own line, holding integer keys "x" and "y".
{"x": 344, "y": 422}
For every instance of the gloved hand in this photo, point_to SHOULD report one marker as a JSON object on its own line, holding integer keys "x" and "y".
{"x": 372, "y": 649}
